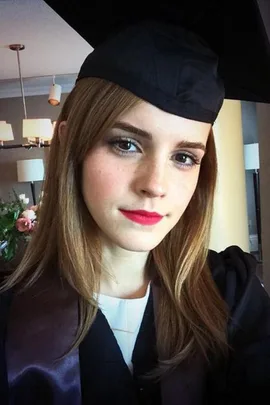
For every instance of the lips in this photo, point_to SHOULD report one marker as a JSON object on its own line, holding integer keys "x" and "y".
{"x": 142, "y": 217}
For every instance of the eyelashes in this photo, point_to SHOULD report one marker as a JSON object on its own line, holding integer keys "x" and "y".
{"x": 125, "y": 146}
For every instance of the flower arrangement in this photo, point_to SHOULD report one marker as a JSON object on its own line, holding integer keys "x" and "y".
{"x": 17, "y": 222}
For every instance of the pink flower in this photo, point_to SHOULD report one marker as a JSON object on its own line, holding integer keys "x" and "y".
{"x": 24, "y": 225}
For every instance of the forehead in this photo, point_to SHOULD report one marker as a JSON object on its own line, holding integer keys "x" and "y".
{"x": 160, "y": 123}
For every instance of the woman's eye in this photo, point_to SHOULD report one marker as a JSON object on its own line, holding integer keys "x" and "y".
{"x": 124, "y": 146}
{"x": 186, "y": 160}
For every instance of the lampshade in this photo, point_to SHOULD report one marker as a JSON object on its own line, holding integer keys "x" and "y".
{"x": 55, "y": 94}
{"x": 6, "y": 133}
{"x": 37, "y": 128}
{"x": 30, "y": 170}
{"x": 252, "y": 160}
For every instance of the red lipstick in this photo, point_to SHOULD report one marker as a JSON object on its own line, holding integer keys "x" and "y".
{"x": 143, "y": 217}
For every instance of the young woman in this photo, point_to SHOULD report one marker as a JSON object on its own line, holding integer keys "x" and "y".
{"x": 118, "y": 299}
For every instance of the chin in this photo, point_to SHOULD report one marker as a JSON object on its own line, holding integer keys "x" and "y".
{"x": 138, "y": 244}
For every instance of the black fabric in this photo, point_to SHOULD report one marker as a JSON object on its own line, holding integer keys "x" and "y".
{"x": 164, "y": 65}
{"x": 145, "y": 357}
{"x": 244, "y": 378}
{"x": 5, "y": 302}
{"x": 41, "y": 326}
{"x": 237, "y": 30}
{"x": 105, "y": 377}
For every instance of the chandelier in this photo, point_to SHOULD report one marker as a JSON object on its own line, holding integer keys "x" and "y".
{"x": 37, "y": 132}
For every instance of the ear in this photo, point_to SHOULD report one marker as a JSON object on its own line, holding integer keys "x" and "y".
{"x": 62, "y": 130}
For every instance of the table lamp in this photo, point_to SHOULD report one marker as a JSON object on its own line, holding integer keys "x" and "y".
{"x": 30, "y": 170}
{"x": 252, "y": 162}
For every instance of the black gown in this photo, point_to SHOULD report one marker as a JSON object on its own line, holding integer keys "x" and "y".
{"x": 37, "y": 327}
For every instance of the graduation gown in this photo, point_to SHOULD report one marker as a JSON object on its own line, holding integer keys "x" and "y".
{"x": 37, "y": 327}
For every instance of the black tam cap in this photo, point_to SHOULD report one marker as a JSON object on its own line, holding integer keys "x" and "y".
{"x": 163, "y": 64}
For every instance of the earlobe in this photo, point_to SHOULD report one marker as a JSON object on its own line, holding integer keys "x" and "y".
{"x": 62, "y": 130}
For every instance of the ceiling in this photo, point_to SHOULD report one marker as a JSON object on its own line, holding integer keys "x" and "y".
{"x": 52, "y": 47}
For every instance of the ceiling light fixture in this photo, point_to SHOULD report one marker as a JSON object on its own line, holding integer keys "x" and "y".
{"x": 55, "y": 93}
{"x": 38, "y": 132}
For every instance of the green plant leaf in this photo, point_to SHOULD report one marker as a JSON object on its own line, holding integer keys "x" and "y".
{"x": 7, "y": 223}
{"x": 10, "y": 251}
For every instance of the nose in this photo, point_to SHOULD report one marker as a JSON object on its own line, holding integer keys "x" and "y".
{"x": 151, "y": 180}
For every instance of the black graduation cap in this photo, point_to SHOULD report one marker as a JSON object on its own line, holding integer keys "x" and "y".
{"x": 163, "y": 64}
{"x": 236, "y": 30}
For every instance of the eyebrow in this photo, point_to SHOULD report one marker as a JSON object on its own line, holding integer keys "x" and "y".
{"x": 147, "y": 135}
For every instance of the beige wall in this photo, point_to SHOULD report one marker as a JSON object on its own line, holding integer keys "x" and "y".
{"x": 11, "y": 110}
{"x": 263, "y": 119}
{"x": 230, "y": 220}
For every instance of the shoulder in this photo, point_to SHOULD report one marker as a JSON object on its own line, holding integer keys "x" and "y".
{"x": 234, "y": 272}
{"x": 245, "y": 377}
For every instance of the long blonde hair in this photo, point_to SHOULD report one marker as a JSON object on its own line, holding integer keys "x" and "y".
{"x": 191, "y": 315}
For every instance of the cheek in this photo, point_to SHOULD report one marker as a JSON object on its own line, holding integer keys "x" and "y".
{"x": 100, "y": 178}
{"x": 184, "y": 191}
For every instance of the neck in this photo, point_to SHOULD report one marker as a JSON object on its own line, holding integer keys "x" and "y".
{"x": 124, "y": 273}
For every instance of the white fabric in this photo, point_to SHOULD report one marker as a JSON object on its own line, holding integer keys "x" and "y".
{"x": 124, "y": 317}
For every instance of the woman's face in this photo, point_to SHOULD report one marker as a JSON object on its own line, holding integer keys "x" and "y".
{"x": 149, "y": 161}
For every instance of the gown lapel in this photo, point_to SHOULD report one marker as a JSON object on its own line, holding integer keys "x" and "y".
{"x": 41, "y": 328}
{"x": 105, "y": 377}
{"x": 145, "y": 357}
